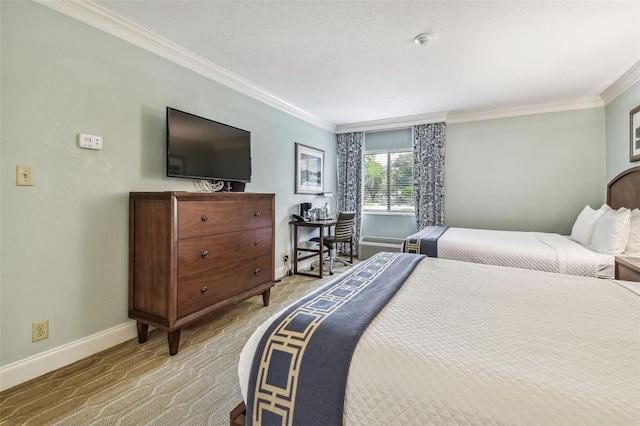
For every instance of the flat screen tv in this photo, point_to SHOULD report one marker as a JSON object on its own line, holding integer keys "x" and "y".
{"x": 199, "y": 148}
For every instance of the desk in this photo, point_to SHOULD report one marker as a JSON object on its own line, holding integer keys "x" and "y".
{"x": 316, "y": 249}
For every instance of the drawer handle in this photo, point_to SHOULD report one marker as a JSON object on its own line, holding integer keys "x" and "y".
{"x": 204, "y": 289}
{"x": 257, "y": 272}
{"x": 205, "y": 254}
{"x": 257, "y": 214}
{"x": 205, "y": 218}
{"x": 257, "y": 243}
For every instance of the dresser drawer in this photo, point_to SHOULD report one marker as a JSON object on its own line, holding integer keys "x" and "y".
{"x": 197, "y": 255}
{"x": 202, "y": 290}
{"x": 199, "y": 218}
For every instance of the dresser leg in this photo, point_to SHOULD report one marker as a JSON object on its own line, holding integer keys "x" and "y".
{"x": 142, "y": 331}
{"x": 265, "y": 297}
{"x": 174, "y": 341}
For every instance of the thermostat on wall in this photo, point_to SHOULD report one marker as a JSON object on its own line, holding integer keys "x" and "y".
{"x": 89, "y": 141}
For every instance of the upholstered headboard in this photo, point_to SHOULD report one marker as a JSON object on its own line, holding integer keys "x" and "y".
{"x": 624, "y": 189}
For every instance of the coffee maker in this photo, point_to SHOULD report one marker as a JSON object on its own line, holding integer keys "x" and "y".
{"x": 304, "y": 210}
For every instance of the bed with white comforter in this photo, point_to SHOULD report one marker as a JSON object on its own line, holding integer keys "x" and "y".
{"x": 527, "y": 250}
{"x": 597, "y": 236}
{"x": 466, "y": 343}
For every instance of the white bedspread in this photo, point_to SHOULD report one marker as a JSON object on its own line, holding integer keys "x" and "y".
{"x": 527, "y": 250}
{"x": 465, "y": 343}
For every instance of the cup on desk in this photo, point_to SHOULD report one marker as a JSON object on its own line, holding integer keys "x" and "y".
{"x": 312, "y": 215}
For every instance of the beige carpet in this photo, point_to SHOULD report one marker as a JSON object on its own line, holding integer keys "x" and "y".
{"x": 140, "y": 384}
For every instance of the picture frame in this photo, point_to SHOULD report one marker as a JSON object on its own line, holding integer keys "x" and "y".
{"x": 634, "y": 134}
{"x": 309, "y": 170}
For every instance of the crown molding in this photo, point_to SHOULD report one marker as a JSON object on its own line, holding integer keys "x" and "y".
{"x": 452, "y": 117}
{"x": 514, "y": 111}
{"x": 626, "y": 80}
{"x": 111, "y": 23}
{"x": 392, "y": 123}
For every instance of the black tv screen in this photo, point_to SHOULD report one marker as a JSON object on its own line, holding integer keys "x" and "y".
{"x": 200, "y": 148}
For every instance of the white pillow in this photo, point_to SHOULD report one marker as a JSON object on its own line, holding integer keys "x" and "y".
{"x": 633, "y": 245}
{"x": 584, "y": 225}
{"x": 611, "y": 233}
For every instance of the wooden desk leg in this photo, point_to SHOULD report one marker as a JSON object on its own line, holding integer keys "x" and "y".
{"x": 321, "y": 254}
{"x": 265, "y": 297}
{"x": 295, "y": 248}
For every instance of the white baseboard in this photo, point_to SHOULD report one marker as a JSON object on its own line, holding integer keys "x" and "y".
{"x": 29, "y": 368}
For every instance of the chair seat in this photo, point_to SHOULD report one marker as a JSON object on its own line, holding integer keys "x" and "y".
{"x": 329, "y": 239}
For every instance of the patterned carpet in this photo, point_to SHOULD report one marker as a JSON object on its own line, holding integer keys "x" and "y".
{"x": 140, "y": 384}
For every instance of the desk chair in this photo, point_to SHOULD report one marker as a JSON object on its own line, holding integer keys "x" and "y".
{"x": 344, "y": 232}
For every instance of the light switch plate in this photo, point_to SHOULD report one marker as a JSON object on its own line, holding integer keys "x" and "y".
{"x": 24, "y": 175}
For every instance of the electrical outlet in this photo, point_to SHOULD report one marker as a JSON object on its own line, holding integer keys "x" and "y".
{"x": 284, "y": 256}
{"x": 39, "y": 330}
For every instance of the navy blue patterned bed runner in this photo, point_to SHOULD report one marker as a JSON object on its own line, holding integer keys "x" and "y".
{"x": 425, "y": 241}
{"x": 299, "y": 371}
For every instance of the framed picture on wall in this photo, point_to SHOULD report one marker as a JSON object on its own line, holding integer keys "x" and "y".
{"x": 309, "y": 170}
{"x": 634, "y": 136}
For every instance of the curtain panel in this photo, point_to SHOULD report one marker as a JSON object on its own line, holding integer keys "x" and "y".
{"x": 428, "y": 174}
{"x": 350, "y": 181}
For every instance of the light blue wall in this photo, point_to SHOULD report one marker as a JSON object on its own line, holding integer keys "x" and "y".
{"x": 388, "y": 140}
{"x": 65, "y": 240}
{"x": 617, "y": 131}
{"x": 528, "y": 173}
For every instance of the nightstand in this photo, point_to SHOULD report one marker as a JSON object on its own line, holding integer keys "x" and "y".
{"x": 627, "y": 268}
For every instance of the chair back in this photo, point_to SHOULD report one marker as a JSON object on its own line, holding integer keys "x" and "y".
{"x": 345, "y": 226}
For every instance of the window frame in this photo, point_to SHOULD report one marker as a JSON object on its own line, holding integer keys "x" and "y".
{"x": 387, "y": 210}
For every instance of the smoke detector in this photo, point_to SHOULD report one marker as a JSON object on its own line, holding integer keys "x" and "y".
{"x": 423, "y": 39}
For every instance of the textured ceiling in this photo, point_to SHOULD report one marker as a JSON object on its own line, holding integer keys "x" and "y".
{"x": 354, "y": 61}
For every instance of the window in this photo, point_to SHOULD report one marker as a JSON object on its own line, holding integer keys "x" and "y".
{"x": 388, "y": 181}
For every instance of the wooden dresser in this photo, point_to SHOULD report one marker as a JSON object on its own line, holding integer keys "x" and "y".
{"x": 192, "y": 254}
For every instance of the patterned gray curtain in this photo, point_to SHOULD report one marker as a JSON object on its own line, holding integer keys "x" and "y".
{"x": 428, "y": 174}
{"x": 350, "y": 181}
